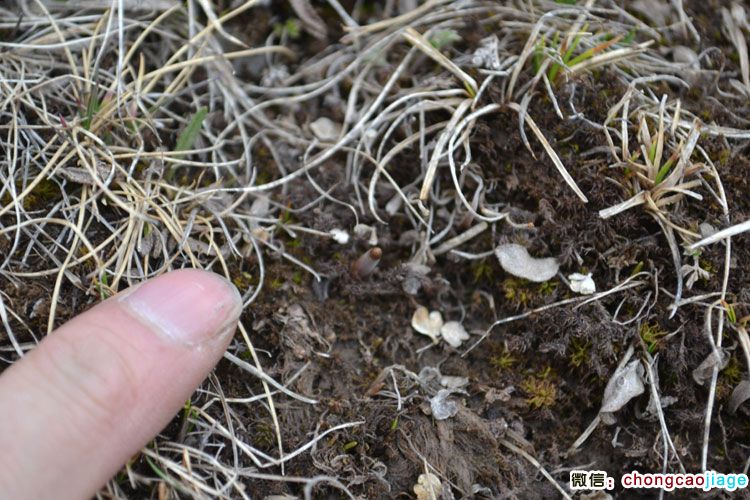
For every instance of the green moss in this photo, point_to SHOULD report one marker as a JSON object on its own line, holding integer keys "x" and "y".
{"x": 275, "y": 283}
{"x": 264, "y": 436}
{"x": 482, "y": 270}
{"x": 521, "y": 292}
{"x": 43, "y": 195}
{"x": 516, "y": 291}
{"x": 541, "y": 390}
{"x": 503, "y": 360}
{"x": 297, "y": 277}
{"x": 293, "y": 244}
{"x": 547, "y": 288}
{"x": 579, "y": 352}
{"x": 724, "y": 156}
{"x": 263, "y": 177}
{"x": 244, "y": 281}
{"x": 732, "y": 374}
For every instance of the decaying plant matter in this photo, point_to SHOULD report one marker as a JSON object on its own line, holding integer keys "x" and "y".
{"x": 346, "y": 164}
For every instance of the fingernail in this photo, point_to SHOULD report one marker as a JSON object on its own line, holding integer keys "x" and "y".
{"x": 188, "y": 306}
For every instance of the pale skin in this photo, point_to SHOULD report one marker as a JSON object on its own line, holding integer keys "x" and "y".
{"x": 96, "y": 390}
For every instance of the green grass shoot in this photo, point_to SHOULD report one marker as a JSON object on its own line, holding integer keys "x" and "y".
{"x": 187, "y": 137}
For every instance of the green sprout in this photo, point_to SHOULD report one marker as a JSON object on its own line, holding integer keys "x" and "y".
{"x": 651, "y": 334}
{"x": 291, "y": 27}
{"x": 188, "y": 136}
{"x": 664, "y": 170}
{"x": 92, "y": 107}
{"x": 568, "y": 57}
{"x": 731, "y": 314}
{"x": 162, "y": 475}
{"x": 637, "y": 269}
{"x": 103, "y": 285}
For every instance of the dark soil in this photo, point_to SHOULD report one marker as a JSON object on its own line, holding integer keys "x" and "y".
{"x": 541, "y": 378}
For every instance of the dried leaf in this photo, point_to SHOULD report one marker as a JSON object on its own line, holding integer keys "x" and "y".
{"x": 657, "y": 12}
{"x": 83, "y": 175}
{"x": 686, "y": 55}
{"x": 515, "y": 259}
{"x": 582, "y": 283}
{"x": 339, "y": 236}
{"x": 706, "y": 368}
{"x": 429, "y": 378}
{"x": 453, "y": 382}
{"x": 487, "y": 55}
{"x": 325, "y": 129}
{"x": 146, "y": 244}
{"x": 705, "y": 229}
{"x": 427, "y": 323}
{"x": 441, "y": 407}
{"x": 740, "y": 394}
{"x": 260, "y": 208}
{"x": 414, "y": 274}
{"x": 428, "y": 487}
{"x": 394, "y": 204}
{"x": 454, "y": 333}
{"x": 299, "y": 334}
{"x": 625, "y": 384}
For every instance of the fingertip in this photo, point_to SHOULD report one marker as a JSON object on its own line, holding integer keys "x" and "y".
{"x": 102, "y": 385}
{"x": 189, "y": 306}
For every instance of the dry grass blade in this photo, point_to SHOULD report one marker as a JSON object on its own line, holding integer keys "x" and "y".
{"x": 610, "y": 57}
{"x": 141, "y": 137}
{"x": 538, "y": 466}
{"x": 416, "y": 39}
{"x": 735, "y": 19}
{"x": 432, "y": 166}
{"x": 403, "y": 19}
{"x": 722, "y": 235}
{"x": 551, "y": 153}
